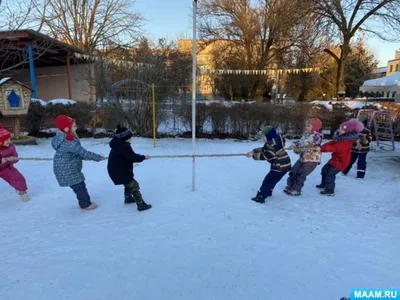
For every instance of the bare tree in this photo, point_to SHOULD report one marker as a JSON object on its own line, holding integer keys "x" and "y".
{"x": 257, "y": 31}
{"x": 87, "y": 23}
{"x": 378, "y": 17}
{"x": 16, "y": 14}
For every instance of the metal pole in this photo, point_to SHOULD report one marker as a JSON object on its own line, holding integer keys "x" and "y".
{"x": 153, "y": 94}
{"x": 194, "y": 67}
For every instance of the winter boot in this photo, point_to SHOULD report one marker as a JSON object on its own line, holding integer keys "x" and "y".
{"x": 295, "y": 193}
{"x": 287, "y": 190}
{"x": 23, "y": 195}
{"x": 320, "y": 186}
{"x": 141, "y": 205}
{"x": 259, "y": 198}
{"x": 90, "y": 207}
{"x": 327, "y": 193}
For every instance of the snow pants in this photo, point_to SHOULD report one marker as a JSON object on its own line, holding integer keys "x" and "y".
{"x": 361, "y": 164}
{"x": 14, "y": 178}
{"x": 82, "y": 194}
{"x": 299, "y": 173}
{"x": 270, "y": 181}
{"x": 328, "y": 174}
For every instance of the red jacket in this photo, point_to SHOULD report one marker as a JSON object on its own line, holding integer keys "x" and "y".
{"x": 341, "y": 153}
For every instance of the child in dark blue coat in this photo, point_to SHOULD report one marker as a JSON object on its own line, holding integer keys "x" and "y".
{"x": 120, "y": 167}
{"x": 274, "y": 152}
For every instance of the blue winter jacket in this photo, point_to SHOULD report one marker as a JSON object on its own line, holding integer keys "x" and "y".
{"x": 67, "y": 164}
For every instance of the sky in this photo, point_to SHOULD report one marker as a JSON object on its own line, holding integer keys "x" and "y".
{"x": 172, "y": 19}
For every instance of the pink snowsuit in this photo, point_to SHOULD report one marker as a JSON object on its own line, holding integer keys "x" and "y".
{"x": 8, "y": 172}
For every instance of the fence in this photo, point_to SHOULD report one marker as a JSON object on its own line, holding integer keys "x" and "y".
{"x": 162, "y": 111}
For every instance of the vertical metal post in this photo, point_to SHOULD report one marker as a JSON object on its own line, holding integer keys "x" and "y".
{"x": 194, "y": 68}
{"x": 32, "y": 70}
{"x": 153, "y": 95}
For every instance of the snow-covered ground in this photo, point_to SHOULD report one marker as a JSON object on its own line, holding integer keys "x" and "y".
{"x": 214, "y": 243}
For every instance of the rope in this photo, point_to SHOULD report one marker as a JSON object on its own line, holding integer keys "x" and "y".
{"x": 152, "y": 156}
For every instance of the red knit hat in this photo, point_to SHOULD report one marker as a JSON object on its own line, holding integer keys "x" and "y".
{"x": 65, "y": 123}
{"x": 315, "y": 123}
{"x": 4, "y": 135}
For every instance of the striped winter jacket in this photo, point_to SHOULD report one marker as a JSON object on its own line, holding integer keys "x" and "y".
{"x": 274, "y": 152}
{"x": 365, "y": 138}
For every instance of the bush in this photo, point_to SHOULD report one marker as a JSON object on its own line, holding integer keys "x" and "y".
{"x": 185, "y": 116}
{"x": 35, "y": 119}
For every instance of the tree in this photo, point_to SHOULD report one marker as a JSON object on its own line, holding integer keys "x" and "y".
{"x": 15, "y": 15}
{"x": 360, "y": 65}
{"x": 88, "y": 23}
{"x": 353, "y": 16}
{"x": 256, "y": 31}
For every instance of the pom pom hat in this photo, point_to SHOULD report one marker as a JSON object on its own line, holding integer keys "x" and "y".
{"x": 65, "y": 123}
{"x": 352, "y": 125}
{"x": 123, "y": 133}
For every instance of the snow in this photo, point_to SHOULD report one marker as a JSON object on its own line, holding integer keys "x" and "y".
{"x": 62, "y": 101}
{"x": 350, "y": 104}
{"x": 4, "y": 80}
{"x": 391, "y": 80}
{"x": 214, "y": 243}
{"x": 40, "y": 101}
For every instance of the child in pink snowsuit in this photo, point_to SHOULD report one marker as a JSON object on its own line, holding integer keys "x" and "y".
{"x": 8, "y": 157}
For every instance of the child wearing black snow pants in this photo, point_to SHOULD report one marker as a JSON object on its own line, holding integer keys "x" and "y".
{"x": 274, "y": 152}
{"x": 120, "y": 167}
{"x": 360, "y": 150}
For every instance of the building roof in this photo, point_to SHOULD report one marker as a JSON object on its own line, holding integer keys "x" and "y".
{"x": 387, "y": 81}
{"x": 380, "y": 70}
{"x": 47, "y": 51}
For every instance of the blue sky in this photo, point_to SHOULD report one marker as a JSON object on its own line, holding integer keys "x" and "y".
{"x": 172, "y": 19}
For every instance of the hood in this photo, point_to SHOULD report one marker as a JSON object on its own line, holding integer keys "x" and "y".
{"x": 117, "y": 143}
{"x": 59, "y": 142}
{"x": 348, "y": 136}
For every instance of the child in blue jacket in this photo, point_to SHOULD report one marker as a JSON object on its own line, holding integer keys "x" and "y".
{"x": 274, "y": 152}
{"x": 67, "y": 164}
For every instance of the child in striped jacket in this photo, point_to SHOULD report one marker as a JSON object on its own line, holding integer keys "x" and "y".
{"x": 274, "y": 152}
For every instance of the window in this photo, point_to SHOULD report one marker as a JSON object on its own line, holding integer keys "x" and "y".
{"x": 391, "y": 68}
{"x": 397, "y": 67}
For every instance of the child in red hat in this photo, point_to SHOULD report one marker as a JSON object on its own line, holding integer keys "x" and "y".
{"x": 8, "y": 157}
{"x": 309, "y": 148}
{"x": 68, "y": 160}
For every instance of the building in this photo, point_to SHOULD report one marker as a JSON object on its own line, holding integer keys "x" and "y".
{"x": 379, "y": 72}
{"x": 384, "y": 86}
{"x": 394, "y": 64}
{"x": 51, "y": 68}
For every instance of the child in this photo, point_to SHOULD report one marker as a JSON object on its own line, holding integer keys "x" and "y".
{"x": 8, "y": 157}
{"x": 68, "y": 160}
{"x": 310, "y": 156}
{"x": 120, "y": 167}
{"x": 274, "y": 152}
{"x": 360, "y": 150}
{"x": 341, "y": 146}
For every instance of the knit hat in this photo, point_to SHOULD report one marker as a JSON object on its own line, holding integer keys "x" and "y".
{"x": 123, "y": 133}
{"x": 4, "y": 135}
{"x": 315, "y": 123}
{"x": 269, "y": 132}
{"x": 352, "y": 125}
{"x": 65, "y": 123}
